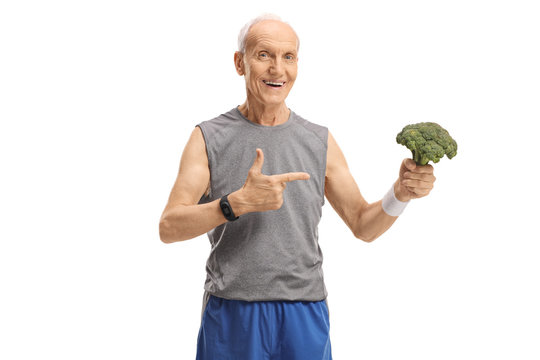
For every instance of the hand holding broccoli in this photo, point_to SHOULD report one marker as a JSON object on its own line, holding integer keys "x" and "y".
{"x": 427, "y": 141}
{"x": 415, "y": 181}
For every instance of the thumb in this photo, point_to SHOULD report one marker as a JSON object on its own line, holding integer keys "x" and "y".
{"x": 259, "y": 160}
{"x": 410, "y": 164}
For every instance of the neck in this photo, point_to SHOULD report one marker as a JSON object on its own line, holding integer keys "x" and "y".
{"x": 263, "y": 114}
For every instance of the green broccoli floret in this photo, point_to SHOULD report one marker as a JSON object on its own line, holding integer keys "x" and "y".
{"x": 428, "y": 141}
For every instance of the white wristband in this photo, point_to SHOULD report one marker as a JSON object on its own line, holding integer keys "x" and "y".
{"x": 391, "y": 205}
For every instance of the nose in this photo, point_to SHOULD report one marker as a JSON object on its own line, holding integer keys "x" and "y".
{"x": 276, "y": 66}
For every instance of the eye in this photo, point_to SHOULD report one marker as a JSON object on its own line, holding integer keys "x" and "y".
{"x": 289, "y": 57}
{"x": 263, "y": 55}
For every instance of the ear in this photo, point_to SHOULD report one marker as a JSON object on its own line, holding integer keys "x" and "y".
{"x": 239, "y": 62}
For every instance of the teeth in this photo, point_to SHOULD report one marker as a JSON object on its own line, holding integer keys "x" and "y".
{"x": 273, "y": 83}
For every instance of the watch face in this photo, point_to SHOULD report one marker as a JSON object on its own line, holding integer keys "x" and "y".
{"x": 226, "y": 209}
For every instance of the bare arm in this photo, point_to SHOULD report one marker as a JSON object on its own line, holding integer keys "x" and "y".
{"x": 183, "y": 218}
{"x": 369, "y": 221}
{"x": 366, "y": 221}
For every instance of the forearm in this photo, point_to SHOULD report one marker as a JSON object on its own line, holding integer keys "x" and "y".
{"x": 372, "y": 222}
{"x": 185, "y": 222}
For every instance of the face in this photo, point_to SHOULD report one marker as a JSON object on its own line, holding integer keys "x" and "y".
{"x": 270, "y": 63}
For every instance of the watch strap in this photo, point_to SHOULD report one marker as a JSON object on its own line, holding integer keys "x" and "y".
{"x": 226, "y": 209}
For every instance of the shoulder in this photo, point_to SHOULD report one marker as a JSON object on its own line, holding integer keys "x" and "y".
{"x": 213, "y": 127}
{"x": 223, "y": 119}
{"x": 318, "y": 130}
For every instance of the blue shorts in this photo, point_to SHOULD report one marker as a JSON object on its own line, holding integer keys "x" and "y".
{"x": 264, "y": 330}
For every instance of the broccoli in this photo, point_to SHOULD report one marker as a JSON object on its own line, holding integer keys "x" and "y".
{"x": 427, "y": 141}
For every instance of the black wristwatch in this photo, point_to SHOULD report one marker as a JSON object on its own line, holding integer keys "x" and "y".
{"x": 227, "y": 209}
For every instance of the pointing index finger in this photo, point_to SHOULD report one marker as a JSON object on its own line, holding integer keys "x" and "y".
{"x": 292, "y": 176}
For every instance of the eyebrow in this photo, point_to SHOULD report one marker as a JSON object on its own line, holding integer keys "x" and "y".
{"x": 264, "y": 48}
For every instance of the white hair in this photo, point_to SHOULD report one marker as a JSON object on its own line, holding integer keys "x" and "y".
{"x": 267, "y": 16}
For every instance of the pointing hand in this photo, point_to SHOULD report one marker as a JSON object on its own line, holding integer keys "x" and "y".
{"x": 264, "y": 192}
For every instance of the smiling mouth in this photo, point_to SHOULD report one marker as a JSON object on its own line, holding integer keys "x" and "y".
{"x": 274, "y": 84}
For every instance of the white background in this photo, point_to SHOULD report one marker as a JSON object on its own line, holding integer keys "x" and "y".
{"x": 98, "y": 98}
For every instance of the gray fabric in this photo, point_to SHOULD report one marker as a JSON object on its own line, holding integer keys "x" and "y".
{"x": 270, "y": 255}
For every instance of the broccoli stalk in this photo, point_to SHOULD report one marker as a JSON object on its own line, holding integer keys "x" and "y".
{"x": 417, "y": 158}
{"x": 427, "y": 141}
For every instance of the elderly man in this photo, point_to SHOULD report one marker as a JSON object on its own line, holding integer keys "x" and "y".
{"x": 254, "y": 179}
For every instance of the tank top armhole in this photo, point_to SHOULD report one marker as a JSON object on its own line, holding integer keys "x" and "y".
{"x": 205, "y": 132}
{"x": 325, "y": 142}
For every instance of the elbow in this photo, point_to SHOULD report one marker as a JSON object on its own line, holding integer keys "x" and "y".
{"x": 365, "y": 237}
{"x": 165, "y": 231}
{"x": 163, "y": 236}
{"x": 366, "y": 228}
{"x": 172, "y": 228}
{"x": 362, "y": 226}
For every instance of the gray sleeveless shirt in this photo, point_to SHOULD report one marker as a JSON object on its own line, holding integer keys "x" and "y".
{"x": 268, "y": 255}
